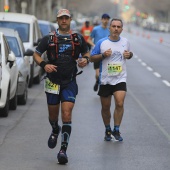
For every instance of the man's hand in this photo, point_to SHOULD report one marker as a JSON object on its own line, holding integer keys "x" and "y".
{"x": 82, "y": 62}
{"x": 107, "y": 53}
{"x": 49, "y": 68}
{"x": 127, "y": 54}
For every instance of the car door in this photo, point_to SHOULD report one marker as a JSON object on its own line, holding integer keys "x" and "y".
{"x": 37, "y": 37}
{"x": 12, "y": 70}
{"x": 0, "y": 65}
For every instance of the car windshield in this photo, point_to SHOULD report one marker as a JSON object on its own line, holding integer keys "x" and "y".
{"x": 14, "y": 46}
{"x": 45, "y": 29}
{"x": 22, "y": 28}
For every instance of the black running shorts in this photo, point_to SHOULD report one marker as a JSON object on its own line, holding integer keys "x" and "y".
{"x": 96, "y": 65}
{"x": 107, "y": 90}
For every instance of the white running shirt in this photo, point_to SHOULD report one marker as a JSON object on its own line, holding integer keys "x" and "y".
{"x": 113, "y": 68}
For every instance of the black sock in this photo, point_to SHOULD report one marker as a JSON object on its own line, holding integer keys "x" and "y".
{"x": 116, "y": 128}
{"x": 54, "y": 125}
{"x": 66, "y": 131}
{"x": 108, "y": 127}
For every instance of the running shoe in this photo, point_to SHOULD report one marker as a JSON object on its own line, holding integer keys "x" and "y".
{"x": 62, "y": 157}
{"x": 96, "y": 86}
{"x": 108, "y": 135}
{"x": 52, "y": 141}
{"x": 116, "y": 135}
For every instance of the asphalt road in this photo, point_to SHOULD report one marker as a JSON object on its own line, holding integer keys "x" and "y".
{"x": 145, "y": 126}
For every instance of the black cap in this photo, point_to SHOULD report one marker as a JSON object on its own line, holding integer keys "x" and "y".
{"x": 105, "y": 16}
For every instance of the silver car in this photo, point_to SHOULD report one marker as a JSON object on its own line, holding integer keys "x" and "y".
{"x": 22, "y": 60}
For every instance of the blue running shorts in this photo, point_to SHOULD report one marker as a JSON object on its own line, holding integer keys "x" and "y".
{"x": 67, "y": 94}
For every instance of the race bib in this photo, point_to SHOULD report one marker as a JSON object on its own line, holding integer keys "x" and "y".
{"x": 51, "y": 87}
{"x": 114, "y": 69}
{"x": 87, "y": 33}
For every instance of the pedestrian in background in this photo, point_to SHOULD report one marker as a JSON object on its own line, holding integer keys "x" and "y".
{"x": 63, "y": 50}
{"x": 112, "y": 53}
{"x": 99, "y": 32}
{"x": 86, "y": 31}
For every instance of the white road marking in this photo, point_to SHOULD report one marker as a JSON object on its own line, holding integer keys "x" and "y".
{"x": 167, "y": 83}
{"x": 144, "y": 64}
{"x": 149, "y": 68}
{"x": 157, "y": 74}
{"x": 152, "y": 118}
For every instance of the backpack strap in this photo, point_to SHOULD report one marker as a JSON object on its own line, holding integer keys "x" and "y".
{"x": 75, "y": 42}
{"x": 75, "y": 39}
{"x": 54, "y": 40}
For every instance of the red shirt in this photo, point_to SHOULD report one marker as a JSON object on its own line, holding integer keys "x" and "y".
{"x": 86, "y": 31}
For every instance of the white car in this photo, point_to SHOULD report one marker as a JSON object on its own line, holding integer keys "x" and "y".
{"x": 29, "y": 31}
{"x": 22, "y": 60}
{"x": 46, "y": 27}
{"x": 9, "y": 78}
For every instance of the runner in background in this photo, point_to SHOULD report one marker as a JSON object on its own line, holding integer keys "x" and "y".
{"x": 98, "y": 33}
{"x": 86, "y": 31}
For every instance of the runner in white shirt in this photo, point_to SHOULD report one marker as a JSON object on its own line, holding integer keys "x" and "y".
{"x": 112, "y": 53}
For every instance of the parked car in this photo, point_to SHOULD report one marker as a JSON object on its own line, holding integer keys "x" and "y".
{"x": 73, "y": 26}
{"x": 22, "y": 59}
{"x": 9, "y": 78}
{"x": 55, "y": 25}
{"x": 29, "y": 31}
{"x": 46, "y": 27}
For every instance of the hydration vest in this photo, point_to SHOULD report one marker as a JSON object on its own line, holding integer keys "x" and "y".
{"x": 62, "y": 51}
{"x": 57, "y": 40}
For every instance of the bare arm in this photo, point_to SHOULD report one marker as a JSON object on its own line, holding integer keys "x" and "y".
{"x": 90, "y": 41}
{"x": 47, "y": 67}
{"x": 37, "y": 58}
{"x": 85, "y": 60}
{"x": 96, "y": 58}
{"x": 99, "y": 57}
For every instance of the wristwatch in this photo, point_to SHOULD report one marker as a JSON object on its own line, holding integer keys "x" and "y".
{"x": 87, "y": 58}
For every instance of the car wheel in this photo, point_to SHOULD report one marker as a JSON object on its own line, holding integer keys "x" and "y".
{"x": 22, "y": 100}
{"x": 13, "y": 102}
{"x": 5, "y": 110}
{"x": 31, "y": 75}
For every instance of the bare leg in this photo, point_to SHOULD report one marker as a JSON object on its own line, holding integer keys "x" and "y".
{"x": 97, "y": 80}
{"x": 97, "y": 74}
{"x": 119, "y": 97}
{"x": 53, "y": 112}
{"x": 66, "y": 110}
{"x": 105, "y": 111}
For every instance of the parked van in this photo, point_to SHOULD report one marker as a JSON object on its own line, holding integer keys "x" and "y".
{"x": 29, "y": 31}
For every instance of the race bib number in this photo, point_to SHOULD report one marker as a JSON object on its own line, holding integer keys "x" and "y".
{"x": 87, "y": 33}
{"x": 114, "y": 69}
{"x": 51, "y": 87}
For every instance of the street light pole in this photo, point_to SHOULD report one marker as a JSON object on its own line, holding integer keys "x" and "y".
{"x": 49, "y": 3}
{"x": 33, "y": 6}
{"x": 1, "y": 5}
{"x": 23, "y": 7}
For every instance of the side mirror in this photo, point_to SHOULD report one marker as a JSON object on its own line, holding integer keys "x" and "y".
{"x": 29, "y": 52}
{"x": 11, "y": 59}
